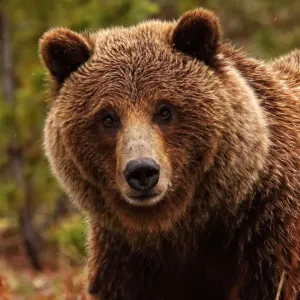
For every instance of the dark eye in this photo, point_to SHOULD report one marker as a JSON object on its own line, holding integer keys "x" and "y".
{"x": 164, "y": 114}
{"x": 110, "y": 120}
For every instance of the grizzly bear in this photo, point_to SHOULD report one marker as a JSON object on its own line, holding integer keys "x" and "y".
{"x": 184, "y": 154}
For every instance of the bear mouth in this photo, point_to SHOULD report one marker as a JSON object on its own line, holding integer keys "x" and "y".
{"x": 143, "y": 197}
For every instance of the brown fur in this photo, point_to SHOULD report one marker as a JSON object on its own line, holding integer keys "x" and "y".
{"x": 226, "y": 223}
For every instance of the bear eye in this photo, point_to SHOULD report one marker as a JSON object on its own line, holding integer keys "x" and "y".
{"x": 110, "y": 120}
{"x": 164, "y": 114}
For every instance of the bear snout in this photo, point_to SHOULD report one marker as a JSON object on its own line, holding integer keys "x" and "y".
{"x": 142, "y": 174}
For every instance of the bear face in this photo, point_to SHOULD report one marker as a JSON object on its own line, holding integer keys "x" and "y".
{"x": 152, "y": 122}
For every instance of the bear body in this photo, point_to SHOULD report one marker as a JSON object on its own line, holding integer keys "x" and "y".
{"x": 184, "y": 154}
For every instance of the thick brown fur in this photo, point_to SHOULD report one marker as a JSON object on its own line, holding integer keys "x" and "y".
{"x": 227, "y": 223}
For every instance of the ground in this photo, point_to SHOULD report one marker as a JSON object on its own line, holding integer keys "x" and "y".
{"x": 60, "y": 279}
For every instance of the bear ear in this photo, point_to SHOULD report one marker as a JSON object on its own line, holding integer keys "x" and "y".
{"x": 198, "y": 33}
{"x": 63, "y": 51}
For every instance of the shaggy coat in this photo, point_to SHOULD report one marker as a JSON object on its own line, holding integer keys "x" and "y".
{"x": 223, "y": 221}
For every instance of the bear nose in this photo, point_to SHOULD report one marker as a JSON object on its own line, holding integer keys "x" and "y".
{"x": 142, "y": 174}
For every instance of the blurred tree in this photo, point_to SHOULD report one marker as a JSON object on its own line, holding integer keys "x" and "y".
{"x": 14, "y": 148}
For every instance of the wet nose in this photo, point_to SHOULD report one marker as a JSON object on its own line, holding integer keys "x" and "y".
{"x": 142, "y": 174}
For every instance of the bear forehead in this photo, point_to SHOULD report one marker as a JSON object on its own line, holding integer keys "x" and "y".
{"x": 120, "y": 39}
{"x": 132, "y": 77}
{"x": 146, "y": 46}
{"x": 142, "y": 55}
{"x": 138, "y": 63}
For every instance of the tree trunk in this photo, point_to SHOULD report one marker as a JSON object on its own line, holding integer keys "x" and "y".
{"x": 30, "y": 237}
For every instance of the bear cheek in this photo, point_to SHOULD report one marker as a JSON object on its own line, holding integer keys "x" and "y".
{"x": 94, "y": 158}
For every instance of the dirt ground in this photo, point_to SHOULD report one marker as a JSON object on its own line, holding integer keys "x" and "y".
{"x": 59, "y": 280}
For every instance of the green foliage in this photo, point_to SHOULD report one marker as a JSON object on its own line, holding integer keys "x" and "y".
{"x": 70, "y": 236}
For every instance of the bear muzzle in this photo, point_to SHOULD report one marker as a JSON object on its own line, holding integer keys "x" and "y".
{"x": 142, "y": 170}
{"x": 142, "y": 175}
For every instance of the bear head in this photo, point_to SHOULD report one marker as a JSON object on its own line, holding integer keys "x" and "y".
{"x": 151, "y": 125}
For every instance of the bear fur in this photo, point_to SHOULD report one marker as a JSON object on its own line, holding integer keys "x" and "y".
{"x": 224, "y": 222}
